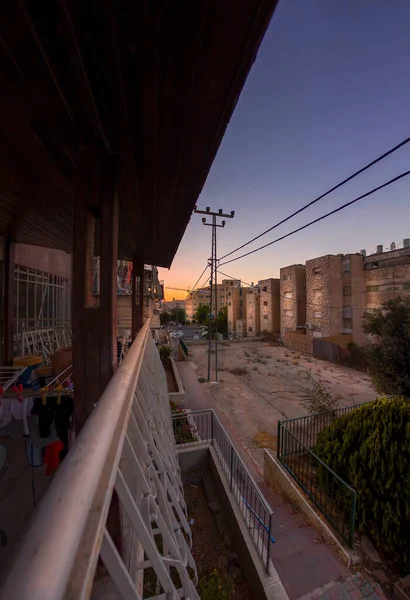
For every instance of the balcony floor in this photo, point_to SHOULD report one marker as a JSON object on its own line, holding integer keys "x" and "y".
{"x": 17, "y": 481}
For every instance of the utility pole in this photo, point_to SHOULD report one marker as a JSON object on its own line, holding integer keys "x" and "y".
{"x": 213, "y": 304}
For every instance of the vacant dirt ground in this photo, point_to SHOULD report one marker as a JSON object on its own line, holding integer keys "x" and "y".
{"x": 260, "y": 383}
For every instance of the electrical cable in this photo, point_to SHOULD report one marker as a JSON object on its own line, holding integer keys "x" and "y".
{"x": 362, "y": 170}
{"x": 332, "y": 212}
{"x": 200, "y": 277}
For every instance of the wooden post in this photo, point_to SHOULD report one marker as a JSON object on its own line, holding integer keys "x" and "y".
{"x": 8, "y": 313}
{"x": 137, "y": 295}
{"x": 94, "y": 318}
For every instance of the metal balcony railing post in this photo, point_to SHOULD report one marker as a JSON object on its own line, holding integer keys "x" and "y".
{"x": 231, "y": 478}
{"x": 212, "y": 428}
{"x": 268, "y": 545}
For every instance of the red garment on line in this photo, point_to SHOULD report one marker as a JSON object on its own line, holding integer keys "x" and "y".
{"x": 52, "y": 456}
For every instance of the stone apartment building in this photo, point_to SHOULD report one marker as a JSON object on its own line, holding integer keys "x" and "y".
{"x": 253, "y": 312}
{"x": 387, "y": 275}
{"x": 203, "y": 296}
{"x": 292, "y": 297}
{"x": 335, "y": 295}
{"x": 270, "y": 305}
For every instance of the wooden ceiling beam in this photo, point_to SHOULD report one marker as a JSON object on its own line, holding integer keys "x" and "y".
{"x": 82, "y": 75}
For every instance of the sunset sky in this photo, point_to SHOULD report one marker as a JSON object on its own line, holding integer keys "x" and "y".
{"x": 329, "y": 92}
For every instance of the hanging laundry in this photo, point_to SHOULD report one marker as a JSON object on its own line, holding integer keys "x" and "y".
{"x": 16, "y": 406}
{"x": 5, "y": 414}
{"x": 63, "y": 411}
{"x": 44, "y": 407}
{"x": 52, "y": 456}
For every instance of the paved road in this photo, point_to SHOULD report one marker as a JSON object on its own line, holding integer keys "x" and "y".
{"x": 308, "y": 568}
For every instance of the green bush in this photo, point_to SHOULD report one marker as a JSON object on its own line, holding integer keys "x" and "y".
{"x": 370, "y": 449}
{"x": 165, "y": 353}
{"x": 212, "y": 586}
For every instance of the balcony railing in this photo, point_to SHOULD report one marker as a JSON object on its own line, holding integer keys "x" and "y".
{"x": 128, "y": 445}
{"x": 192, "y": 429}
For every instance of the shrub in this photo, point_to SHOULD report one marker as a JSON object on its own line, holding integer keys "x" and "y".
{"x": 212, "y": 586}
{"x": 388, "y": 356}
{"x": 370, "y": 449}
{"x": 165, "y": 353}
{"x": 316, "y": 398}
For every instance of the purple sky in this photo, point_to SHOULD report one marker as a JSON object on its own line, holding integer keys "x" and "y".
{"x": 329, "y": 91}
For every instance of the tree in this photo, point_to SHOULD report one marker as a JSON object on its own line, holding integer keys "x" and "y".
{"x": 369, "y": 448}
{"x": 202, "y": 313}
{"x": 178, "y": 315}
{"x": 222, "y": 321}
{"x": 316, "y": 397}
{"x": 164, "y": 318}
{"x": 389, "y": 355}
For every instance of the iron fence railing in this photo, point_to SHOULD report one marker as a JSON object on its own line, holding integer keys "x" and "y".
{"x": 184, "y": 347}
{"x": 306, "y": 429}
{"x": 204, "y": 427}
{"x": 335, "y": 498}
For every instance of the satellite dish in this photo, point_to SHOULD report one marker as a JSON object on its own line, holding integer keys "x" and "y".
{"x": 393, "y": 246}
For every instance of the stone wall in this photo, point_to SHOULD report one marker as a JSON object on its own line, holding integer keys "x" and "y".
{"x": 253, "y": 313}
{"x": 318, "y": 301}
{"x": 270, "y": 305}
{"x": 292, "y": 309}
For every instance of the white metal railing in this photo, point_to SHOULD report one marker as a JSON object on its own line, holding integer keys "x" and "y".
{"x": 126, "y": 444}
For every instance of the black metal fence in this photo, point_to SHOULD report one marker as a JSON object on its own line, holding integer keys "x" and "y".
{"x": 201, "y": 427}
{"x": 307, "y": 429}
{"x": 335, "y": 498}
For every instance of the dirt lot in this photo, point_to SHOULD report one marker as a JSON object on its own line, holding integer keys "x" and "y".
{"x": 260, "y": 383}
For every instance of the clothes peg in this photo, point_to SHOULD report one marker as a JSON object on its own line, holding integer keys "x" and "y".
{"x": 59, "y": 388}
{"x": 43, "y": 395}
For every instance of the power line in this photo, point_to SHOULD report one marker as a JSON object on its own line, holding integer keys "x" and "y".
{"x": 371, "y": 164}
{"x": 336, "y": 210}
{"x": 317, "y": 306}
{"x": 196, "y": 282}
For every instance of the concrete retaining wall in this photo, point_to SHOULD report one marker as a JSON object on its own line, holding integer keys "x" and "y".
{"x": 282, "y": 484}
{"x": 177, "y": 397}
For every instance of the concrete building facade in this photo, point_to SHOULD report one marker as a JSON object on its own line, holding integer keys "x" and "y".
{"x": 270, "y": 305}
{"x": 387, "y": 275}
{"x": 292, "y": 297}
{"x": 253, "y": 313}
{"x": 335, "y": 295}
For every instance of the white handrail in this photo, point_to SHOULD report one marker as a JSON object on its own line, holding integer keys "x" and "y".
{"x": 61, "y": 548}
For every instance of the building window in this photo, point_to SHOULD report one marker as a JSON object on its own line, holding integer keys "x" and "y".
{"x": 249, "y": 328}
{"x": 265, "y": 303}
{"x": 317, "y": 314}
{"x": 287, "y": 278}
{"x": 288, "y": 295}
{"x": 229, "y": 294}
{"x": 288, "y": 313}
{"x": 317, "y": 294}
{"x": 316, "y": 270}
{"x": 347, "y": 324}
{"x": 264, "y": 289}
{"x": 230, "y": 303}
{"x": 347, "y": 290}
{"x": 346, "y": 265}
{"x": 231, "y": 283}
{"x": 406, "y": 286}
{"x": 347, "y": 312}
{"x": 372, "y": 288}
{"x": 265, "y": 317}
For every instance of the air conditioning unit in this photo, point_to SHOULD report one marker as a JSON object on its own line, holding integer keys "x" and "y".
{"x": 309, "y": 326}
